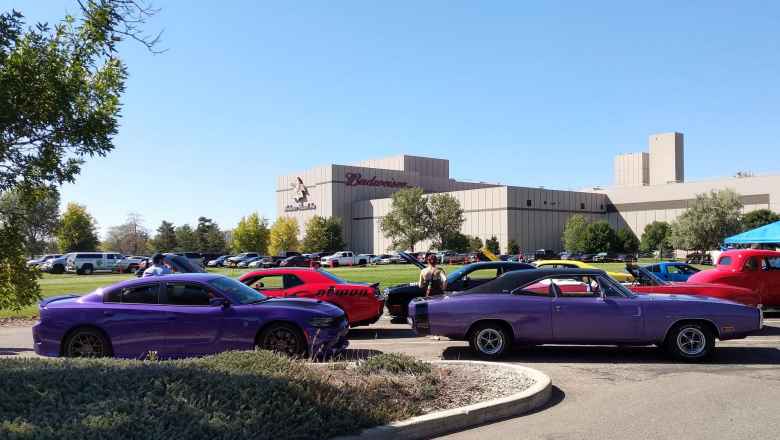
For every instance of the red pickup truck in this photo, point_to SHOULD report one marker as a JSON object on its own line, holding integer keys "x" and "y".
{"x": 755, "y": 269}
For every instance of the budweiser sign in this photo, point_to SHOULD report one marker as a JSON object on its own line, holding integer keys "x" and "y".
{"x": 357, "y": 179}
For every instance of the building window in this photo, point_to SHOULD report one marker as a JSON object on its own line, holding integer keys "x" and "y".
{"x": 528, "y": 202}
{"x": 582, "y": 206}
{"x": 545, "y": 202}
{"x": 601, "y": 207}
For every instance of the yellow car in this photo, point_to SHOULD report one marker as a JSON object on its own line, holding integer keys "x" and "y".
{"x": 618, "y": 276}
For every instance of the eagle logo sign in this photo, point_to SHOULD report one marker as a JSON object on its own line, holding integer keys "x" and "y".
{"x": 301, "y": 192}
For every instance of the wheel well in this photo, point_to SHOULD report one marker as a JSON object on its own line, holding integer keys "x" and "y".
{"x": 279, "y": 321}
{"x": 707, "y": 323}
{"x": 85, "y": 326}
{"x": 499, "y": 322}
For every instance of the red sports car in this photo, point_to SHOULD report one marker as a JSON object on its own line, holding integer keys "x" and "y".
{"x": 647, "y": 282}
{"x": 361, "y": 302}
{"x": 754, "y": 269}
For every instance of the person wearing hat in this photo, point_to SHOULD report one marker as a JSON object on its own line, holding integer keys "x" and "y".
{"x": 158, "y": 266}
{"x": 433, "y": 280}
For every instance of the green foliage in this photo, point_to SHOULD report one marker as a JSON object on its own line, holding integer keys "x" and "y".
{"x": 394, "y": 363}
{"x": 575, "y": 233}
{"x": 626, "y": 241}
{"x": 251, "y": 235}
{"x": 232, "y": 395}
{"x": 445, "y": 219}
{"x": 129, "y": 238}
{"x": 760, "y": 217}
{"x": 78, "y": 230}
{"x": 475, "y": 244}
{"x": 323, "y": 235}
{"x": 708, "y": 221}
{"x": 599, "y": 237}
{"x": 165, "y": 240}
{"x": 18, "y": 283}
{"x": 512, "y": 247}
{"x": 457, "y": 242}
{"x": 208, "y": 236}
{"x": 407, "y": 222}
{"x": 656, "y": 237}
{"x": 284, "y": 235}
{"x": 186, "y": 239}
{"x": 492, "y": 245}
{"x": 36, "y": 211}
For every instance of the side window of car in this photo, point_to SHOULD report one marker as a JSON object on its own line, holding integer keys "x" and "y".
{"x": 269, "y": 282}
{"x": 147, "y": 294}
{"x": 187, "y": 294}
{"x": 673, "y": 269}
{"x": 537, "y": 288}
{"x": 724, "y": 261}
{"x": 112, "y": 296}
{"x": 576, "y": 286}
{"x": 609, "y": 289}
{"x": 291, "y": 281}
{"x": 773, "y": 263}
{"x": 751, "y": 264}
{"x": 483, "y": 274}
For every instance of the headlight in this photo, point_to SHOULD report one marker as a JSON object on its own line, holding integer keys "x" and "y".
{"x": 322, "y": 321}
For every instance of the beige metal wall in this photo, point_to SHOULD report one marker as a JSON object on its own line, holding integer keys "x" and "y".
{"x": 667, "y": 161}
{"x": 637, "y": 207}
{"x": 632, "y": 169}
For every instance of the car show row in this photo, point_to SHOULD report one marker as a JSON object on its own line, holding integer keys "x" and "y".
{"x": 490, "y": 304}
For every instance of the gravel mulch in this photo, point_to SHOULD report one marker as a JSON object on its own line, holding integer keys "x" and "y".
{"x": 17, "y": 322}
{"x": 467, "y": 384}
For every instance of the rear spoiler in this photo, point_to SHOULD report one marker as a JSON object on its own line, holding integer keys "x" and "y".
{"x": 46, "y": 301}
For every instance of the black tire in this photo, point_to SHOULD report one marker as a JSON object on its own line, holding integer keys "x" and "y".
{"x": 490, "y": 340}
{"x": 86, "y": 342}
{"x": 335, "y": 263}
{"x": 58, "y": 269}
{"x": 283, "y": 338}
{"x": 690, "y": 342}
{"x": 87, "y": 269}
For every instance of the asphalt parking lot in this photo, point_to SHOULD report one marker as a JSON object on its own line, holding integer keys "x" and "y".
{"x": 604, "y": 392}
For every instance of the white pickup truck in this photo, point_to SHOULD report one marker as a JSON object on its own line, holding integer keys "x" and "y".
{"x": 344, "y": 258}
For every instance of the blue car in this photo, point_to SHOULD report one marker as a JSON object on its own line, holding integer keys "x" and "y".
{"x": 672, "y": 271}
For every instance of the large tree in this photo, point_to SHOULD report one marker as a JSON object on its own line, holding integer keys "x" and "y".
{"x": 284, "y": 235}
{"x": 708, "y": 221}
{"x": 457, "y": 242}
{"x": 323, "y": 235}
{"x": 59, "y": 95}
{"x": 493, "y": 245}
{"x": 445, "y": 219}
{"x": 407, "y": 222}
{"x": 575, "y": 233}
{"x": 251, "y": 235}
{"x": 36, "y": 213}
{"x": 513, "y": 248}
{"x": 129, "y": 238}
{"x": 656, "y": 237}
{"x": 599, "y": 237}
{"x": 626, "y": 241}
{"x": 760, "y": 217}
{"x": 165, "y": 240}
{"x": 208, "y": 236}
{"x": 186, "y": 241}
{"x": 78, "y": 230}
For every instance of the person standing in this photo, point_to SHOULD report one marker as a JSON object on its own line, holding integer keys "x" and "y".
{"x": 158, "y": 266}
{"x": 433, "y": 280}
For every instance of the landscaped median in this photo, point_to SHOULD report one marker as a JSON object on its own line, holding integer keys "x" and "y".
{"x": 233, "y": 395}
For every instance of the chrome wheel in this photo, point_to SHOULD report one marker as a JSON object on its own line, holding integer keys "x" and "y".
{"x": 490, "y": 341}
{"x": 86, "y": 344}
{"x": 691, "y": 341}
{"x": 282, "y": 339}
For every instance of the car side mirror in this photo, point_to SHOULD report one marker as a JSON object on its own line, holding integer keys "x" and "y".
{"x": 219, "y": 302}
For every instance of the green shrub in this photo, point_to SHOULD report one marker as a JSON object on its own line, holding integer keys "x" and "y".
{"x": 232, "y": 395}
{"x": 394, "y": 363}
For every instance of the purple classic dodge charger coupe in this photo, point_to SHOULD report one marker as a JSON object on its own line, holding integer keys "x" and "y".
{"x": 580, "y": 306}
{"x": 185, "y": 315}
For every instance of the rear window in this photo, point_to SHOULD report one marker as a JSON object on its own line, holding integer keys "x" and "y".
{"x": 724, "y": 261}
{"x": 773, "y": 263}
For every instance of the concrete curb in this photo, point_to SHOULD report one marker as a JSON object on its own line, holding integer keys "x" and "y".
{"x": 456, "y": 419}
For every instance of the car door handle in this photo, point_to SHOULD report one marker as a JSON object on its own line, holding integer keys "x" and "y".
{"x": 107, "y": 313}
{"x": 557, "y": 308}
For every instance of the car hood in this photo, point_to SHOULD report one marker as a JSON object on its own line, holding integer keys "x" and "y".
{"x": 667, "y": 297}
{"x": 303, "y": 304}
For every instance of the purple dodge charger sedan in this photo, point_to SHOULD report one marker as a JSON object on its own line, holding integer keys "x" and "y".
{"x": 580, "y": 306}
{"x": 185, "y": 315}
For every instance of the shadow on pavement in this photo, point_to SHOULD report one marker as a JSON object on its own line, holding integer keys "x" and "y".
{"x": 623, "y": 355}
{"x": 768, "y": 330}
{"x": 380, "y": 333}
{"x": 13, "y": 351}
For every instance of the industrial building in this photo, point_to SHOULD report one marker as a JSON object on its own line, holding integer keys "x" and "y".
{"x": 648, "y": 186}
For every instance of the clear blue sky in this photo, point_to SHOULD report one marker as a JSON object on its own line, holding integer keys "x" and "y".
{"x": 536, "y": 94}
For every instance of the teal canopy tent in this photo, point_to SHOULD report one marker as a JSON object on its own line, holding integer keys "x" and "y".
{"x": 765, "y": 234}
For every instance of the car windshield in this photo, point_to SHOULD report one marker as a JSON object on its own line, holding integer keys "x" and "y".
{"x": 651, "y": 277}
{"x": 237, "y": 291}
{"x": 333, "y": 278}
